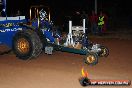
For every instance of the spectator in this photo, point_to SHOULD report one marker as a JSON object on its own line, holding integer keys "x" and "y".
{"x": 94, "y": 21}
{"x": 18, "y": 13}
{"x": 102, "y": 22}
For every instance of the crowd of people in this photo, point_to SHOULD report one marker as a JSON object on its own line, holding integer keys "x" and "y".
{"x": 97, "y": 22}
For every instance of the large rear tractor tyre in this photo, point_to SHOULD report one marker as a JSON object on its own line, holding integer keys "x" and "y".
{"x": 104, "y": 51}
{"x": 27, "y": 44}
{"x": 42, "y": 38}
{"x": 91, "y": 58}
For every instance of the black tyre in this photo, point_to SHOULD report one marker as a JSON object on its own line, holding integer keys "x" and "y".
{"x": 26, "y": 44}
{"x": 104, "y": 51}
{"x": 91, "y": 58}
{"x": 42, "y": 38}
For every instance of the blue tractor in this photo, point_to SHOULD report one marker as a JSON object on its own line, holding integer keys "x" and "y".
{"x": 24, "y": 36}
{"x": 27, "y": 38}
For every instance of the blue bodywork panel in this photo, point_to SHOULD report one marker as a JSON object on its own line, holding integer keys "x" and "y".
{"x": 46, "y": 27}
{"x": 8, "y": 29}
{"x": 48, "y": 35}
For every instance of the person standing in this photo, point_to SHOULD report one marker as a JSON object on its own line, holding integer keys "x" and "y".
{"x": 18, "y": 13}
{"x": 94, "y": 21}
{"x": 102, "y": 22}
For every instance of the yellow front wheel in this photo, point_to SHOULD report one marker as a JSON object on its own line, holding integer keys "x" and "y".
{"x": 104, "y": 51}
{"x": 91, "y": 58}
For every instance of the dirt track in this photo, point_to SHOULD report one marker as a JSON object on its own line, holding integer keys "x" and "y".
{"x": 62, "y": 70}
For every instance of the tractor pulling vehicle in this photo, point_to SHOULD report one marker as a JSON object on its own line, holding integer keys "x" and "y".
{"x": 27, "y": 38}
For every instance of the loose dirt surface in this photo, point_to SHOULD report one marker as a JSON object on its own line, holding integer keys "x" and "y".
{"x": 62, "y": 70}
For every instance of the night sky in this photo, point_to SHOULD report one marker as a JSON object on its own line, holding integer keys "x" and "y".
{"x": 116, "y": 6}
{"x": 60, "y": 8}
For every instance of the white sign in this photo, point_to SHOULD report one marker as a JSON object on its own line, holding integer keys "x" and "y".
{"x": 9, "y": 30}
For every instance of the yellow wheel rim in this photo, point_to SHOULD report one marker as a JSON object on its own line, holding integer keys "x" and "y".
{"x": 23, "y": 45}
{"x": 103, "y": 52}
{"x": 90, "y": 59}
